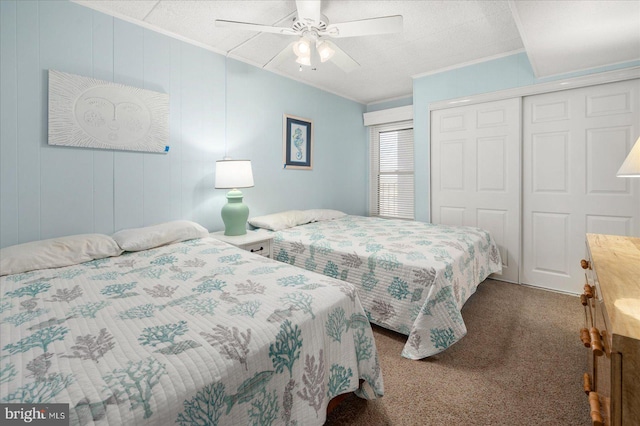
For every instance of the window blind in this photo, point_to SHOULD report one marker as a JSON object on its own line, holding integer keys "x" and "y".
{"x": 391, "y": 171}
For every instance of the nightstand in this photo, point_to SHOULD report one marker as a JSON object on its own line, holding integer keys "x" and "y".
{"x": 258, "y": 242}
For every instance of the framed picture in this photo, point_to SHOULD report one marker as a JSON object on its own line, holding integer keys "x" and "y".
{"x": 298, "y": 142}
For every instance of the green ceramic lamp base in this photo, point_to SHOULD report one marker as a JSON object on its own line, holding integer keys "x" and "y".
{"x": 235, "y": 214}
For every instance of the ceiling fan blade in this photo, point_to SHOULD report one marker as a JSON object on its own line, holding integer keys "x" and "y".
{"x": 383, "y": 25}
{"x": 342, "y": 60}
{"x": 284, "y": 54}
{"x": 309, "y": 11}
{"x": 220, "y": 23}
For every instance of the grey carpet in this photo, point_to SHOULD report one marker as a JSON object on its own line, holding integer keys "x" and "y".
{"x": 520, "y": 363}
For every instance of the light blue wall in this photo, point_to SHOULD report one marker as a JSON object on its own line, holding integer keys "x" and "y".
{"x": 339, "y": 177}
{"x": 48, "y": 191}
{"x": 490, "y": 76}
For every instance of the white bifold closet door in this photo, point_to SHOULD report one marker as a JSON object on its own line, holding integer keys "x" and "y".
{"x": 574, "y": 141}
{"x": 475, "y": 173}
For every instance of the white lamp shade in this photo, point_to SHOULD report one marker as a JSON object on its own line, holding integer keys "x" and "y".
{"x": 631, "y": 165}
{"x": 233, "y": 174}
{"x": 325, "y": 51}
{"x": 304, "y": 60}
{"x": 302, "y": 47}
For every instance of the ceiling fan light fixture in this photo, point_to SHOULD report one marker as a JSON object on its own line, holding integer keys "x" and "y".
{"x": 301, "y": 48}
{"x": 311, "y": 28}
{"x": 325, "y": 51}
{"x": 304, "y": 60}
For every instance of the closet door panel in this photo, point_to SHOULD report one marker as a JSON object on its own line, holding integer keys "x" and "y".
{"x": 475, "y": 168}
{"x": 574, "y": 141}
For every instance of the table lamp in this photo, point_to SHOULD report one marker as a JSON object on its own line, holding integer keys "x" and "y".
{"x": 631, "y": 165}
{"x": 234, "y": 174}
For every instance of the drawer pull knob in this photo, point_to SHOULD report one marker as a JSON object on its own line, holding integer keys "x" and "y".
{"x": 584, "y": 299}
{"x": 586, "y": 383}
{"x": 588, "y": 291}
{"x": 594, "y": 404}
{"x": 585, "y": 264}
{"x": 585, "y": 337}
{"x": 254, "y": 250}
{"x": 596, "y": 342}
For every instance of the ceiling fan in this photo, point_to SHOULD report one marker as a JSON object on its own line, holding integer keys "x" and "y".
{"x": 314, "y": 31}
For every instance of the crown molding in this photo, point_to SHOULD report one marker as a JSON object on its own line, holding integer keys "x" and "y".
{"x": 535, "y": 89}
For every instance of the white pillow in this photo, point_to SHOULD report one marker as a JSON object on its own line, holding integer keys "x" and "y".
{"x": 137, "y": 239}
{"x": 56, "y": 252}
{"x": 278, "y": 221}
{"x": 317, "y": 215}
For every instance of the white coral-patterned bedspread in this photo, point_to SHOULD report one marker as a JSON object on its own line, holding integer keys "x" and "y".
{"x": 412, "y": 277}
{"x": 198, "y": 332}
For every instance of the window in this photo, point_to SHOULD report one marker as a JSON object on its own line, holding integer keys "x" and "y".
{"x": 391, "y": 171}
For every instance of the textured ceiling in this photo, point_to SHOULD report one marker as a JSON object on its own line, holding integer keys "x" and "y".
{"x": 558, "y": 36}
{"x": 578, "y": 35}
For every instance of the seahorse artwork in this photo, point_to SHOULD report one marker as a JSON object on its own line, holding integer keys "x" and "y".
{"x": 297, "y": 142}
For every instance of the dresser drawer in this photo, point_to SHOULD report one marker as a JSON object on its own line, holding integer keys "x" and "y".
{"x": 598, "y": 382}
{"x": 262, "y": 248}
{"x": 258, "y": 242}
{"x": 602, "y": 368}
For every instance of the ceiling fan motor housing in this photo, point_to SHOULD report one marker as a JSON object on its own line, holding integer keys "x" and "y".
{"x": 302, "y": 25}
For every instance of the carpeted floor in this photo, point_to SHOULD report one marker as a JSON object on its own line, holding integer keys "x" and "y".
{"x": 520, "y": 363}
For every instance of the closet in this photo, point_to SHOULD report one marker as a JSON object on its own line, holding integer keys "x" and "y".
{"x": 539, "y": 172}
{"x": 475, "y": 169}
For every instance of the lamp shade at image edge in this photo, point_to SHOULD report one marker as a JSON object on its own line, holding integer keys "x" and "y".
{"x": 631, "y": 165}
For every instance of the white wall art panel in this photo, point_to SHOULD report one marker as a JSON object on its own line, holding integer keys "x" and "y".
{"x": 606, "y": 150}
{"x": 609, "y": 225}
{"x": 91, "y": 113}
{"x": 550, "y": 111}
{"x": 609, "y": 104}
{"x": 550, "y": 162}
{"x": 491, "y": 166}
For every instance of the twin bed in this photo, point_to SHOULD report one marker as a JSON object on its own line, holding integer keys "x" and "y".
{"x": 192, "y": 332}
{"x": 412, "y": 277}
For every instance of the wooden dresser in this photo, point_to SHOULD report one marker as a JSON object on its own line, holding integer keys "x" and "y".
{"x": 612, "y": 329}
